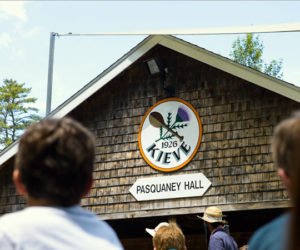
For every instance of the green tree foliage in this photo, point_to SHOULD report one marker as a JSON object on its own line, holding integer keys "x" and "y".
{"x": 16, "y": 114}
{"x": 249, "y": 52}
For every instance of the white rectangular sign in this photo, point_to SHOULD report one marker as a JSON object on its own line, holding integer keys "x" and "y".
{"x": 169, "y": 187}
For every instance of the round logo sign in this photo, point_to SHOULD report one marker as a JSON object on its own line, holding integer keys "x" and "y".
{"x": 170, "y": 134}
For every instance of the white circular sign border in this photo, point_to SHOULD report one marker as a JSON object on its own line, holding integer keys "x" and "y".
{"x": 196, "y": 147}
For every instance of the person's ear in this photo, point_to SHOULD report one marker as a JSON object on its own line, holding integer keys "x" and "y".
{"x": 88, "y": 187}
{"x": 18, "y": 183}
{"x": 285, "y": 178}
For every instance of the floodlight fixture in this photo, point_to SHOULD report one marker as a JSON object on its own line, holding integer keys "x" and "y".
{"x": 155, "y": 66}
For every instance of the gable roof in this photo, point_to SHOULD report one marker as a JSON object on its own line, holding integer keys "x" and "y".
{"x": 256, "y": 77}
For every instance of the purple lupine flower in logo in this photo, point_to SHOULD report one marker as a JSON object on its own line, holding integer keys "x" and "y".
{"x": 182, "y": 115}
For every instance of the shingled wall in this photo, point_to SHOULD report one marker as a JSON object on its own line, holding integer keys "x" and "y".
{"x": 10, "y": 201}
{"x": 238, "y": 118}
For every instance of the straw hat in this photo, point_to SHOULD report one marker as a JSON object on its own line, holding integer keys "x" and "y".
{"x": 152, "y": 232}
{"x": 212, "y": 215}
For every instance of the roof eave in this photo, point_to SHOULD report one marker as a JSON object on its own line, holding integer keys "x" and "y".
{"x": 273, "y": 84}
{"x": 90, "y": 88}
{"x": 261, "y": 79}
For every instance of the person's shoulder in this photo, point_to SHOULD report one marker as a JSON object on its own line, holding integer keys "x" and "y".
{"x": 270, "y": 235}
{"x": 95, "y": 226}
{"x": 10, "y": 225}
{"x": 13, "y": 217}
{"x": 220, "y": 233}
{"x": 29, "y": 216}
{"x": 22, "y": 219}
{"x": 273, "y": 226}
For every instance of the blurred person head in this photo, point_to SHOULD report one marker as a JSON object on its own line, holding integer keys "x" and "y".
{"x": 167, "y": 236}
{"x": 213, "y": 217}
{"x": 286, "y": 155}
{"x": 54, "y": 163}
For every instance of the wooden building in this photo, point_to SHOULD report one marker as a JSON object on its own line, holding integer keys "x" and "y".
{"x": 238, "y": 108}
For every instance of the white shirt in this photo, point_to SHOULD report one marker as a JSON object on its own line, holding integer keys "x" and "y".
{"x": 49, "y": 228}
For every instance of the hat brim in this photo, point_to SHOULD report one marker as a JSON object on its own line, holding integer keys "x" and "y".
{"x": 150, "y": 231}
{"x": 212, "y": 220}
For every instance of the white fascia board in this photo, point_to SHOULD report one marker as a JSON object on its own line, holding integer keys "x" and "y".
{"x": 190, "y": 50}
{"x": 263, "y": 80}
{"x": 6, "y": 154}
{"x": 107, "y": 76}
{"x": 90, "y": 89}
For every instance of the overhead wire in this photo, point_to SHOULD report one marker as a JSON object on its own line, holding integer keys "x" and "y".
{"x": 269, "y": 28}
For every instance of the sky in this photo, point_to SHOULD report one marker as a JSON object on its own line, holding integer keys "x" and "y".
{"x": 25, "y": 28}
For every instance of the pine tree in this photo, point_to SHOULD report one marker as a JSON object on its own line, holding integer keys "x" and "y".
{"x": 16, "y": 114}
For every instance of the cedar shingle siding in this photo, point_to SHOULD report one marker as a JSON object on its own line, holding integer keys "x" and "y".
{"x": 238, "y": 118}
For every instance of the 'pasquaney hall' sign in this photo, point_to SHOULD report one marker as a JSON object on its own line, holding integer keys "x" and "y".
{"x": 170, "y": 134}
{"x": 169, "y": 187}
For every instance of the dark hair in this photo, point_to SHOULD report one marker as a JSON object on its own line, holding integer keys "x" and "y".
{"x": 55, "y": 160}
{"x": 286, "y": 154}
{"x": 216, "y": 224}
